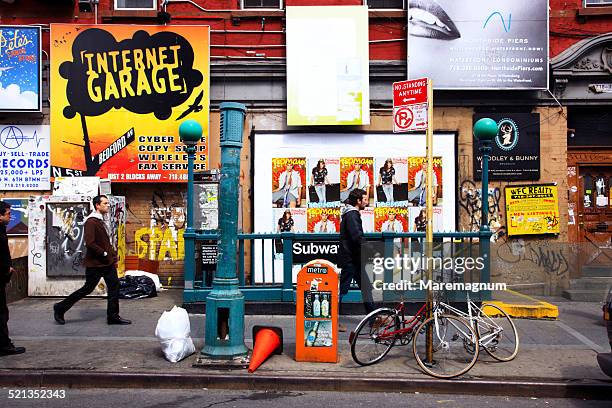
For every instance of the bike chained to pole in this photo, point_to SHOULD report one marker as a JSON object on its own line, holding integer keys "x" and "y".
{"x": 457, "y": 336}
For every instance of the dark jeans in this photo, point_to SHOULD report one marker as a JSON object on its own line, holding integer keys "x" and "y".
{"x": 4, "y": 317}
{"x": 92, "y": 277}
{"x": 349, "y": 272}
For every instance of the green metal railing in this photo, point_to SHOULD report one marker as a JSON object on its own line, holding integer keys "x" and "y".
{"x": 259, "y": 277}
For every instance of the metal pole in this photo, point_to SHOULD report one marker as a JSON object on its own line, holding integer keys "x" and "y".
{"x": 485, "y": 230}
{"x": 224, "y": 333}
{"x": 485, "y": 149}
{"x": 189, "y": 234}
{"x": 429, "y": 211}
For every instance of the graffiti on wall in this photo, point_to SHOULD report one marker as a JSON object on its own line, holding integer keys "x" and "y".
{"x": 470, "y": 200}
{"x": 163, "y": 239}
{"x": 535, "y": 260}
{"x": 66, "y": 238}
{"x": 115, "y": 221}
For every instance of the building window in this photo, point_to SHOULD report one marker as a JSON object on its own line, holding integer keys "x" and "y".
{"x": 135, "y": 4}
{"x": 595, "y": 3}
{"x": 261, "y": 4}
{"x": 386, "y": 4}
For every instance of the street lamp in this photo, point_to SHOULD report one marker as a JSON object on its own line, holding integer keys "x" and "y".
{"x": 190, "y": 133}
{"x": 485, "y": 130}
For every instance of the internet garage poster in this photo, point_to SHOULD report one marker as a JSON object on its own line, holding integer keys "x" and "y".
{"x": 119, "y": 95}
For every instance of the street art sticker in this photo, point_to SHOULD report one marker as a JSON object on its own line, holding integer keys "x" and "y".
{"x": 18, "y": 224}
{"x": 20, "y": 69}
{"x": 119, "y": 95}
{"x": 24, "y": 157}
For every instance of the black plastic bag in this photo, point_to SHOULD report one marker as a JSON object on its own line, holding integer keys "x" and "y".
{"x": 136, "y": 287}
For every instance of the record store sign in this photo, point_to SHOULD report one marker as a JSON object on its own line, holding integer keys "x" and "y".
{"x": 24, "y": 157}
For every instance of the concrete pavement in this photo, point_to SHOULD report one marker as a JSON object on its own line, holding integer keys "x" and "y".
{"x": 556, "y": 358}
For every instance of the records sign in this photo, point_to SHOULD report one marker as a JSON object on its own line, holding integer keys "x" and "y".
{"x": 515, "y": 151}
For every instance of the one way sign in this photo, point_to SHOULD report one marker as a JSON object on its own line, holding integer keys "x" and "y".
{"x": 410, "y": 105}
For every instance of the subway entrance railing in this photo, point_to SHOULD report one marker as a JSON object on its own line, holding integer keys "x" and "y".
{"x": 266, "y": 266}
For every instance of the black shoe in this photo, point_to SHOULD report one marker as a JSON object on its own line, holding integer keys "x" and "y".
{"x": 58, "y": 315}
{"x": 11, "y": 349}
{"x": 117, "y": 320}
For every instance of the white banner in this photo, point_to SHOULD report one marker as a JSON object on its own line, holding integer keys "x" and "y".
{"x": 24, "y": 157}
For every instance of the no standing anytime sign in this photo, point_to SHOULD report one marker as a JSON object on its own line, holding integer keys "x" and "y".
{"x": 410, "y": 105}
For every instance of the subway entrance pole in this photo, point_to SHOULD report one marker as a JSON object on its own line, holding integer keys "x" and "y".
{"x": 485, "y": 130}
{"x": 224, "y": 334}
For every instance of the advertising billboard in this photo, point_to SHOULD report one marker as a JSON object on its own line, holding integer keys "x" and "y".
{"x": 20, "y": 69}
{"x": 119, "y": 95}
{"x": 479, "y": 44}
{"x": 327, "y": 66}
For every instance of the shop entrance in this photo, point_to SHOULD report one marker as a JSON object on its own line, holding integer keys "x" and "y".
{"x": 595, "y": 218}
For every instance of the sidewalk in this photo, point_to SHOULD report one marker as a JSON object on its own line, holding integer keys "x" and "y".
{"x": 556, "y": 358}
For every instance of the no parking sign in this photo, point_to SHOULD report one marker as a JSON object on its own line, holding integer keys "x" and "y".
{"x": 410, "y": 105}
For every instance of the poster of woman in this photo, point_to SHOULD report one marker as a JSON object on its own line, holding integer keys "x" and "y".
{"x": 288, "y": 181}
{"x": 323, "y": 177}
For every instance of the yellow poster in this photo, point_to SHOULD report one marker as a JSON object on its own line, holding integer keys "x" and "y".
{"x": 118, "y": 96}
{"x": 532, "y": 209}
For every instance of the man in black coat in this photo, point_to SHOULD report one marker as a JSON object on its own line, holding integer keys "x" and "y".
{"x": 349, "y": 255}
{"x": 6, "y": 271}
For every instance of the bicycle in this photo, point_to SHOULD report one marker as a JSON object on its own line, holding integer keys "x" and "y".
{"x": 496, "y": 335}
{"x": 453, "y": 339}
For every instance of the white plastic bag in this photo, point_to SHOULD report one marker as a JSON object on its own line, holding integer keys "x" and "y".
{"x": 173, "y": 331}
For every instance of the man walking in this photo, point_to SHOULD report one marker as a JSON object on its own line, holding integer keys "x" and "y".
{"x": 349, "y": 255}
{"x": 100, "y": 262}
{"x": 6, "y": 271}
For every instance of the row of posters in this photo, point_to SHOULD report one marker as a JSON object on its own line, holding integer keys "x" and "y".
{"x": 379, "y": 219}
{"x": 324, "y": 182}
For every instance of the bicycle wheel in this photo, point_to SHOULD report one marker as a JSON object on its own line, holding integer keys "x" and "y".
{"x": 374, "y": 337}
{"x": 497, "y": 335}
{"x": 454, "y": 344}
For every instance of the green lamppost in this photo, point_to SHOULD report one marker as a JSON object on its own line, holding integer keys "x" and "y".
{"x": 485, "y": 131}
{"x": 224, "y": 333}
{"x": 190, "y": 133}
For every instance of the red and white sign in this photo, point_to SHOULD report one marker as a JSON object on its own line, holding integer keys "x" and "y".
{"x": 410, "y": 105}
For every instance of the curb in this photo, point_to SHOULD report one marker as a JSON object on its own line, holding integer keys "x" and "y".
{"x": 536, "y": 309}
{"x": 592, "y": 389}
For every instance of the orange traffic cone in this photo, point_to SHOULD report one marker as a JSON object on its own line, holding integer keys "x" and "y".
{"x": 268, "y": 340}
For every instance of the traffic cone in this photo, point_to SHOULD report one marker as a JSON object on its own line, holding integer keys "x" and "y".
{"x": 268, "y": 340}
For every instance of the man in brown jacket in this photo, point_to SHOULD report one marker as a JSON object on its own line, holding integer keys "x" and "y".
{"x": 100, "y": 262}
